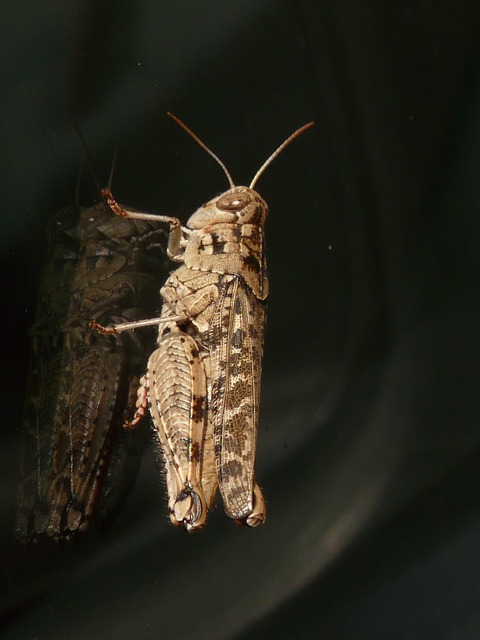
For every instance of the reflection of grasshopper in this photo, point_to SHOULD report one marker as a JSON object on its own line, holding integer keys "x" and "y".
{"x": 78, "y": 461}
{"x": 45, "y": 365}
{"x": 203, "y": 380}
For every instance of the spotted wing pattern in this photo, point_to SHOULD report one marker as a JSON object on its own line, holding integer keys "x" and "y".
{"x": 236, "y": 350}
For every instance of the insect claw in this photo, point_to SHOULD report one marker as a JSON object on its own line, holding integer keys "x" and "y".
{"x": 128, "y": 425}
{"x": 93, "y": 325}
{"x": 113, "y": 204}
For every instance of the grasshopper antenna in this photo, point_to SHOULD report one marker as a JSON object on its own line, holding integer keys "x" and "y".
{"x": 279, "y": 150}
{"x": 114, "y": 162}
{"x": 204, "y": 146}
{"x": 77, "y": 184}
{"x": 88, "y": 156}
{"x": 71, "y": 198}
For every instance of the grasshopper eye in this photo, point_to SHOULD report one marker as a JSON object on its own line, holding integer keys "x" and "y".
{"x": 233, "y": 201}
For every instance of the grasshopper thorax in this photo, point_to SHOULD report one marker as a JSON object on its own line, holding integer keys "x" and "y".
{"x": 239, "y": 205}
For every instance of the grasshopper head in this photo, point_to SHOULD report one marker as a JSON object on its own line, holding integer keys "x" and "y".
{"x": 239, "y": 205}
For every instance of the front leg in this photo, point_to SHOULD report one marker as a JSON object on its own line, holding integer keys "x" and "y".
{"x": 93, "y": 325}
{"x": 177, "y": 232}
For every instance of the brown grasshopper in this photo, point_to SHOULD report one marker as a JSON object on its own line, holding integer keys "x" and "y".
{"x": 82, "y": 462}
{"x": 203, "y": 381}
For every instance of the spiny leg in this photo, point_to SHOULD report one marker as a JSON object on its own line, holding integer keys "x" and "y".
{"x": 176, "y": 229}
{"x": 177, "y": 394}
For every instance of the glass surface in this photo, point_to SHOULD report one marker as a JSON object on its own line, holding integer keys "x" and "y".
{"x": 368, "y": 437}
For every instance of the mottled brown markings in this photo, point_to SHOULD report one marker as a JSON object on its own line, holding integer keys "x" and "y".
{"x": 233, "y": 468}
{"x": 198, "y": 408}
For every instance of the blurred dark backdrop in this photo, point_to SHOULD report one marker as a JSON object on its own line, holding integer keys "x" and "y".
{"x": 369, "y": 438}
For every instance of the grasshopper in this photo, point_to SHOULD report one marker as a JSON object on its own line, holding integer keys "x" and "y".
{"x": 85, "y": 461}
{"x": 44, "y": 378}
{"x": 203, "y": 381}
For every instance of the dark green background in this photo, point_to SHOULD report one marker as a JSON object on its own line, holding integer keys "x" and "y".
{"x": 369, "y": 436}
